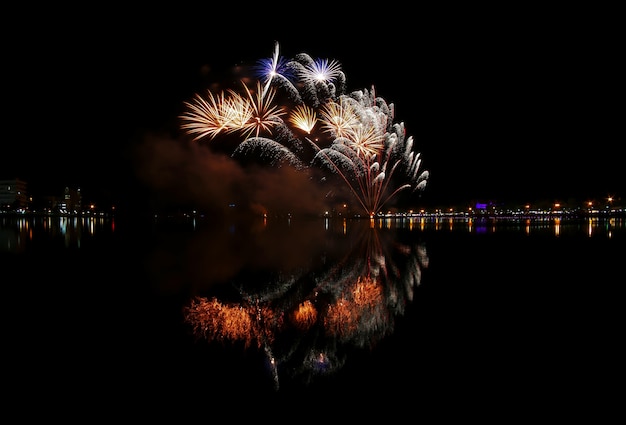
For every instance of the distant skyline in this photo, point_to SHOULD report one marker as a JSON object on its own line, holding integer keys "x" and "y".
{"x": 516, "y": 108}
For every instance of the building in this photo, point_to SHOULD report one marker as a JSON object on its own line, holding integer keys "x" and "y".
{"x": 14, "y": 195}
{"x": 72, "y": 201}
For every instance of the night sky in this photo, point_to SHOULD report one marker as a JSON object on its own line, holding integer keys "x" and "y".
{"x": 506, "y": 106}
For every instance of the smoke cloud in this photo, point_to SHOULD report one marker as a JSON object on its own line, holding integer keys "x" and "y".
{"x": 193, "y": 175}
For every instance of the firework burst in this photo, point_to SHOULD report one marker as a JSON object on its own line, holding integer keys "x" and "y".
{"x": 317, "y": 125}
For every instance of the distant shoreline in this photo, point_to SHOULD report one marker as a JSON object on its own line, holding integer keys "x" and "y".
{"x": 457, "y": 215}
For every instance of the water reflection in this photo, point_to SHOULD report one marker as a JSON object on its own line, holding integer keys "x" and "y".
{"x": 306, "y": 323}
{"x": 592, "y": 226}
{"x": 17, "y": 233}
{"x": 280, "y": 302}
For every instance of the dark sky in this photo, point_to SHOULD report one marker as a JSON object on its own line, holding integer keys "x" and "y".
{"x": 503, "y": 105}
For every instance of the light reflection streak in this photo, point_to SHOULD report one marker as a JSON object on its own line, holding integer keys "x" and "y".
{"x": 592, "y": 226}
{"x": 557, "y": 227}
{"x": 18, "y": 233}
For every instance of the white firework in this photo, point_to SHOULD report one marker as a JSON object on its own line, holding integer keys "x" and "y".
{"x": 351, "y": 135}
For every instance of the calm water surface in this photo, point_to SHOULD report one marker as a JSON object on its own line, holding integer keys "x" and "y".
{"x": 477, "y": 319}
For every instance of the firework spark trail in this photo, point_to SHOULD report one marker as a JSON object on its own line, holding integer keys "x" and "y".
{"x": 271, "y": 150}
{"x": 358, "y": 140}
{"x": 269, "y": 68}
{"x": 304, "y": 118}
{"x": 336, "y": 161}
{"x": 264, "y": 115}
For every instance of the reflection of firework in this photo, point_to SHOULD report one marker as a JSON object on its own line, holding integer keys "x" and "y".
{"x": 305, "y": 329}
{"x": 352, "y": 135}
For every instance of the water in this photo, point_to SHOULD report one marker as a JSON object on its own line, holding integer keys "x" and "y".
{"x": 476, "y": 319}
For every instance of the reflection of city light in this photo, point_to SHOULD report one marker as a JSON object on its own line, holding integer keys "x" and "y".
{"x": 70, "y": 230}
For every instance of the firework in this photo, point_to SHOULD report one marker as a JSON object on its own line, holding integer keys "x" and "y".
{"x": 300, "y": 114}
